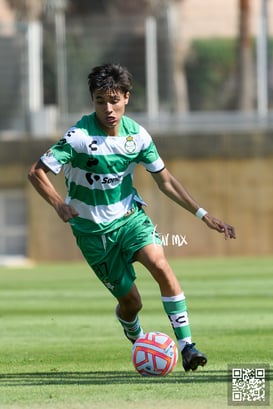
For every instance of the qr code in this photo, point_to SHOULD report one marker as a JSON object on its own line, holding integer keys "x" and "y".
{"x": 249, "y": 386}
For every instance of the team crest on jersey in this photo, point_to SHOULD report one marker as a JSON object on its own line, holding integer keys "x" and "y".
{"x": 130, "y": 145}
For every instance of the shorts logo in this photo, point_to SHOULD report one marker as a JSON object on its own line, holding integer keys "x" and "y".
{"x": 130, "y": 145}
{"x": 109, "y": 285}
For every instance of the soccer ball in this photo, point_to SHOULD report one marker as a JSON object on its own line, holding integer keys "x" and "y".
{"x": 154, "y": 354}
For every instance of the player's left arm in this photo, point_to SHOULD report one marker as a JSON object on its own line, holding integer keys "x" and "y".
{"x": 175, "y": 190}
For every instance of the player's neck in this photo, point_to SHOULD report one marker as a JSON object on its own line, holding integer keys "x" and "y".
{"x": 112, "y": 131}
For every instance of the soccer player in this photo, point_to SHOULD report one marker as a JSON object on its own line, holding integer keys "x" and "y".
{"x": 98, "y": 156}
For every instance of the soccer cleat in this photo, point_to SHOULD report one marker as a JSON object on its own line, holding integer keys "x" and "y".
{"x": 192, "y": 358}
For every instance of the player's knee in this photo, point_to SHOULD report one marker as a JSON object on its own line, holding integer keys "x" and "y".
{"x": 164, "y": 276}
{"x": 160, "y": 266}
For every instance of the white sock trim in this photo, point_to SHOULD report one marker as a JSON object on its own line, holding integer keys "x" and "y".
{"x": 121, "y": 320}
{"x": 179, "y": 297}
{"x": 183, "y": 342}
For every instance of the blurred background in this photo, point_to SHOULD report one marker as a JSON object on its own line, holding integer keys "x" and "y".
{"x": 203, "y": 87}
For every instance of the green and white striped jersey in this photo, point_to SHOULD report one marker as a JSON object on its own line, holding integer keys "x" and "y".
{"x": 99, "y": 171}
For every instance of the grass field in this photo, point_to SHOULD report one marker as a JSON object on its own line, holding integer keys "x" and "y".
{"x": 62, "y": 348}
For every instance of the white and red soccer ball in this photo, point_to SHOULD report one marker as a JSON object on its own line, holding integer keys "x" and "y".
{"x": 154, "y": 354}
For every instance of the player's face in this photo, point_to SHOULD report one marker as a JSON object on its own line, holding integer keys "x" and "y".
{"x": 110, "y": 107}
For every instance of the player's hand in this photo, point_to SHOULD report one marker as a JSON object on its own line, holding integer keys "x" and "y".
{"x": 221, "y": 227}
{"x": 66, "y": 212}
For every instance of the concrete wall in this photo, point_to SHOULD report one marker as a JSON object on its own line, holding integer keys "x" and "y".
{"x": 239, "y": 191}
{"x": 214, "y": 18}
{"x": 229, "y": 174}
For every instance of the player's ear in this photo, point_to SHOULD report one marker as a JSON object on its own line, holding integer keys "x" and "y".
{"x": 127, "y": 96}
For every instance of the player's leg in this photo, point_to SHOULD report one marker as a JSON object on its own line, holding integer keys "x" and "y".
{"x": 127, "y": 313}
{"x": 174, "y": 302}
{"x": 129, "y": 305}
{"x": 173, "y": 299}
{"x": 117, "y": 275}
{"x": 123, "y": 288}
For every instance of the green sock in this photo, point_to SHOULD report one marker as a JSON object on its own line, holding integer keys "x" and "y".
{"x": 176, "y": 309}
{"x": 132, "y": 329}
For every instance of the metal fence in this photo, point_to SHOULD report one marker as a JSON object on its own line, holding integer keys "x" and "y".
{"x": 44, "y": 70}
{"x": 13, "y": 75}
{"x": 134, "y": 42}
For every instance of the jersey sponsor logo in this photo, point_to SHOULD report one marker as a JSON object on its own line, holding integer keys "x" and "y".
{"x": 130, "y": 145}
{"x": 91, "y": 178}
{"x": 104, "y": 180}
{"x": 107, "y": 180}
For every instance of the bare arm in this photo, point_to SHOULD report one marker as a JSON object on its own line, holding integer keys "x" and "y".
{"x": 172, "y": 188}
{"x": 37, "y": 175}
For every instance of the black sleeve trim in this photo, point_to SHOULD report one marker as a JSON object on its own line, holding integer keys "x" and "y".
{"x": 158, "y": 171}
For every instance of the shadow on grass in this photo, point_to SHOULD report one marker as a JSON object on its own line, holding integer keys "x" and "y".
{"x": 106, "y": 378}
{"x": 111, "y": 378}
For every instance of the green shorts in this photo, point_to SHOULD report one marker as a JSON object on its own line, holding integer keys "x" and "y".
{"x": 111, "y": 255}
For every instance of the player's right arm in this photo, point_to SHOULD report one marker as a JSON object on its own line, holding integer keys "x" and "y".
{"x": 37, "y": 175}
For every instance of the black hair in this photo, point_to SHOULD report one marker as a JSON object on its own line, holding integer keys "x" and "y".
{"x": 110, "y": 77}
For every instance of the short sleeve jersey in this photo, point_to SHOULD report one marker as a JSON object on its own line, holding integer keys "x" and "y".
{"x": 99, "y": 171}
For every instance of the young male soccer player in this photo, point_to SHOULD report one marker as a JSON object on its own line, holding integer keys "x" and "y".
{"x": 98, "y": 156}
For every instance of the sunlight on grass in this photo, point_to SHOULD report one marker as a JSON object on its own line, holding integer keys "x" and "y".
{"x": 62, "y": 348}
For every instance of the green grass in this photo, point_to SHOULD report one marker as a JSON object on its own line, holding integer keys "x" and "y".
{"x": 62, "y": 348}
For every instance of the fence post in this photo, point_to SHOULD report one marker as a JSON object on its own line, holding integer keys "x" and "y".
{"x": 262, "y": 62}
{"x": 60, "y": 32}
{"x": 34, "y": 64}
{"x": 151, "y": 67}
